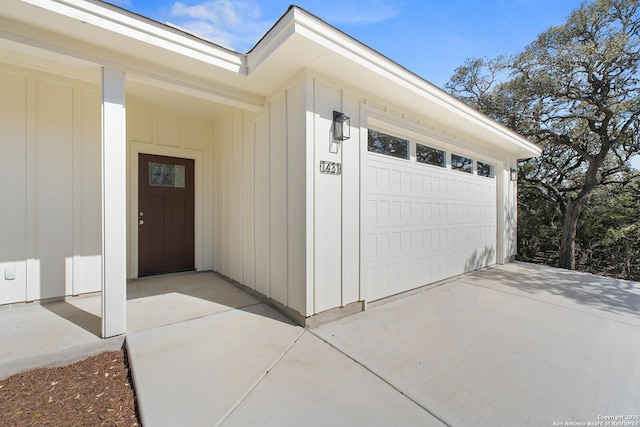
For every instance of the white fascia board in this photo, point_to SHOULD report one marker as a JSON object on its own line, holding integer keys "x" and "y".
{"x": 345, "y": 46}
{"x": 168, "y": 80}
{"x": 136, "y": 27}
{"x": 274, "y": 38}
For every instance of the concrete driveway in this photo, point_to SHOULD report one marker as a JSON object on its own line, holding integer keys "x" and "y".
{"x": 510, "y": 345}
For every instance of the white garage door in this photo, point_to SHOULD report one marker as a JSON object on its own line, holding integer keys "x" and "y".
{"x": 424, "y": 222}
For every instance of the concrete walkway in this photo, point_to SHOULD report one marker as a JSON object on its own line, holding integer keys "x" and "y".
{"x": 517, "y": 344}
{"x": 510, "y": 345}
{"x": 38, "y": 335}
{"x": 253, "y": 367}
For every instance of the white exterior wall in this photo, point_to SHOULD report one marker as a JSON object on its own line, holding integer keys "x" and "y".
{"x": 165, "y": 131}
{"x": 257, "y": 177}
{"x": 336, "y": 221}
{"x": 336, "y": 226}
{"x": 50, "y": 182}
{"x": 510, "y": 218}
{"x": 259, "y": 192}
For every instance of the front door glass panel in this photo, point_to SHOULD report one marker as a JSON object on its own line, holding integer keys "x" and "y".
{"x": 162, "y": 175}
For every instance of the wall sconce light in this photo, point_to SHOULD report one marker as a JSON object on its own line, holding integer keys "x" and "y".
{"x": 341, "y": 126}
{"x": 514, "y": 174}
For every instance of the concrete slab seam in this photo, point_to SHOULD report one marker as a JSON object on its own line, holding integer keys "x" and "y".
{"x": 250, "y": 389}
{"x": 229, "y": 309}
{"x": 433, "y": 414}
{"x": 549, "y": 303}
{"x": 132, "y": 363}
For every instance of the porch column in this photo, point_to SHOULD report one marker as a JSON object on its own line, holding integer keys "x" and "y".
{"x": 114, "y": 201}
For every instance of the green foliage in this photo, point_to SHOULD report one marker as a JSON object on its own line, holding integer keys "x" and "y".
{"x": 574, "y": 91}
{"x": 608, "y": 235}
{"x": 539, "y": 228}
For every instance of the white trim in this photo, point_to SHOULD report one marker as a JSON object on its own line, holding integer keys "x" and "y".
{"x": 114, "y": 204}
{"x": 106, "y": 16}
{"x": 310, "y": 289}
{"x": 170, "y": 80}
{"x": 501, "y": 205}
{"x": 136, "y": 148}
{"x": 364, "y": 136}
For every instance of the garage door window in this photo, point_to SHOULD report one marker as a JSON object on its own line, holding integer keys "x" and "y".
{"x": 485, "y": 169}
{"x": 389, "y": 145}
{"x": 461, "y": 163}
{"x": 430, "y": 156}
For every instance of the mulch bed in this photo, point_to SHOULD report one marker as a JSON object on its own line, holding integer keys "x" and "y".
{"x": 97, "y": 391}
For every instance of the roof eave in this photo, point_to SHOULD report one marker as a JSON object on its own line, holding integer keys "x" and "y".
{"x": 299, "y": 21}
{"x": 295, "y": 29}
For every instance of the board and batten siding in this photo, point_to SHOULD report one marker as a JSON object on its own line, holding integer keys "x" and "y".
{"x": 265, "y": 215}
{"x": 259, "y": 198}
{"x": 50, "y": 181}
{"x": 337, "y": 200}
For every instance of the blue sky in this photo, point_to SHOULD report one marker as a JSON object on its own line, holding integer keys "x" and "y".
{"x": 429, "y": 37}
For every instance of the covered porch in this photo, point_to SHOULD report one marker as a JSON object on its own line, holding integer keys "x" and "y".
{"x": 61, "y": 332}
{"x": 77, "y": 118}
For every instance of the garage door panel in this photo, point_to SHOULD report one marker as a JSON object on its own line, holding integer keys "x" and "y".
{"x": 398, "y": 275}
{"x": 424, "y": 224}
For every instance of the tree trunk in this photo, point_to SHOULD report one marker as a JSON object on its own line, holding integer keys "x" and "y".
{"x": 567, "y": 252}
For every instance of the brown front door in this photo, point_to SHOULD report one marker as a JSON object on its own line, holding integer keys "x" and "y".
{"x": 165, "y": 217}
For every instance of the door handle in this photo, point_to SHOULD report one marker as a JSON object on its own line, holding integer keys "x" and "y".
{"x": 141, "y": 222}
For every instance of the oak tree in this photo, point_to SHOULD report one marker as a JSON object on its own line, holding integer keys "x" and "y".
{"x": 574, "y": 91}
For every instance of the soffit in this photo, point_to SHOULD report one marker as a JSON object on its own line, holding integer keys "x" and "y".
{"x": 104, "y": 35}
{"x": 301, "y": 40}
{"x": 150, "y": 90}
{"x": 154, "y": 54}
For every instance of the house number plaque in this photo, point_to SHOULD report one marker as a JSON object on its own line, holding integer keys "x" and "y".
{"x": 331, "y": 168}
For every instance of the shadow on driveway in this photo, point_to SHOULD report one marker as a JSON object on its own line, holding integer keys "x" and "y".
{"x": 602, "y": 293}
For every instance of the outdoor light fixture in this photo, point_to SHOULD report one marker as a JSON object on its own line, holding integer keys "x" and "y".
{"x": 341, "y": 126}
{"x": 514, "y": 174}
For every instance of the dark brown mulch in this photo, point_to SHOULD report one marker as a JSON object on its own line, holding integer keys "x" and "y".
{"x": 97, "y": 391}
